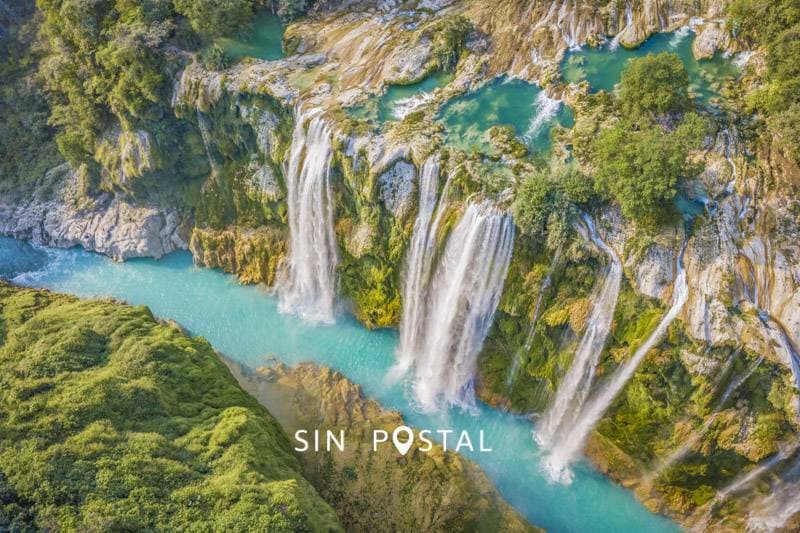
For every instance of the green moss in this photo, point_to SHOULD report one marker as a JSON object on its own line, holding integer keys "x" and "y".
{"x": 115, "y": 421}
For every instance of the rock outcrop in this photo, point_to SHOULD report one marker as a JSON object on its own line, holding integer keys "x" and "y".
{"x": 108, "y": 224}
{"x": 376, "y": 490}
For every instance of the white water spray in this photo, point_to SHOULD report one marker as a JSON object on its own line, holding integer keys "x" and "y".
{"x": 459, "y": 306}
{"x": 307, "y": 280}
{"x": 556, "y": 464}
{"x": 546, "y": 110}
{"x": 564, "y": 412}
{"x": 419, "y": 261}
{"x": 628, "y": 21}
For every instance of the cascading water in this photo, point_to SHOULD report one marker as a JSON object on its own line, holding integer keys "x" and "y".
{"x": 546, "y": 110}
{"x": 571, "y": 394}
{"x": 628, "y": 21}
{"x": 307, "y": 280}
{"x": 205, "y": 134}
{"x": 556, "y": 464}
{"x": 526, "y": 347}
{"x": 418, "y": 267}
{"x": 458, "y": 306}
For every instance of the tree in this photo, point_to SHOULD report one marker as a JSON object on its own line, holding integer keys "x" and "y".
{"x": 654, "y": 85}
{"x": 639, "y": 169}
{"x": 542, "y": 211}
{"x": 215, "y": 18}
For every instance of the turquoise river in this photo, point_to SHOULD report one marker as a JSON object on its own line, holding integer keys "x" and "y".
{"x": 243, "y": 322}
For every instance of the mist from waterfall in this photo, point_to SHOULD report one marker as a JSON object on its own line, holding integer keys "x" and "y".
{"x": 307, "y": 281}
{"x": 454, "y": 308}
{"x": 556, "y": 463}
{"x": 562, "y": 414}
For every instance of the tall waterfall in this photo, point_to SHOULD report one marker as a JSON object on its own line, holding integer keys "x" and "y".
{"x": 571, "y": 394}
{"x": 418, "y": 267}
{"x": 307, "y": 280}
{"x": 557, "y": 462}
{"x": 452, "y": 312}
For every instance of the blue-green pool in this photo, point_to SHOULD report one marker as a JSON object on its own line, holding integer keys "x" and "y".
{"x": 262, "y": 40}
{"x": 503, "y": 102}
{"x": 602, "y": 67}
{"x": 400, "y": 100}
{"x": 244, "y": 323}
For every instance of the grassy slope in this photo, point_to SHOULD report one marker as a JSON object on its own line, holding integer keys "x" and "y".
{"x": 111, "y": 420}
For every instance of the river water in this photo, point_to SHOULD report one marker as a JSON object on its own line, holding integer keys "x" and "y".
{"x": 244, "y": 323}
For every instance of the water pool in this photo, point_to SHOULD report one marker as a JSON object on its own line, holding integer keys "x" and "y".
{"x": 516, "y": 103}
{"x": 602, "y": 67}
{"x": 262, "y": 40}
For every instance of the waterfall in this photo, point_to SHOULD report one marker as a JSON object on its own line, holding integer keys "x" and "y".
{"x": 780, "y": 505}
{"x": 419, "y": 261}
{"x": 455, "y": 309}
{"x": 307, "y": 280}
{"x": 557, "y": 463}
{"x": 628, "y": 21}
{"x": 571, "y": 394}
{"x": 526, "y": 347}
{"x": 205, "y": 134}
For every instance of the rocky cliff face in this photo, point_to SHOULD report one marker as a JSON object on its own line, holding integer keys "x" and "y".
{"x": 55, "y": 216}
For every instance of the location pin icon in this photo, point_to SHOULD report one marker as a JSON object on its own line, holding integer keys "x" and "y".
{"x": 403, "y": 447}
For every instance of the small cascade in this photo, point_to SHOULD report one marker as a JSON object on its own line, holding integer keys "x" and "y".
{"x": 459, "y": 306}
{"x": 307, "y": 279}
{"x": 557, "y": 463}
{"x": 419, "y": 261}
{"x": 628, "y": 22}
{"x": 405, "y": 106}
{"x": 780, "y": 506}
{"x": 571, "y": 394}
{"x": 757, "y": 290}
{"x": 743, "y": 481}
{"x": 205, "y": 134}
{"x": 528, "y": 344}
{"x": 546, "y": 110}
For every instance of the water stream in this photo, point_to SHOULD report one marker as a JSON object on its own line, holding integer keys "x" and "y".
{"x": 244, "y": 323}
{"x": 561, "y": 416}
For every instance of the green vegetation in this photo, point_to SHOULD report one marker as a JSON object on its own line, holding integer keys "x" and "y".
{"x": 27, "y": 149}
{"x": 638, "y": 143}
{"x": 640, "y": 167}
{"x": 775, "y": 27}
{"x": 449, "y": 35}
{"x": 115, "y": 421}
{"x": 215, "y": 18}
{"x": 654, "y": 85}
{"x": 545, "y": 204}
